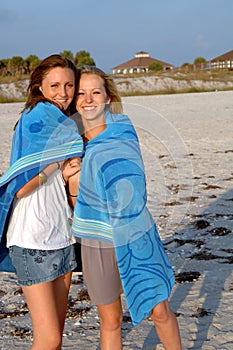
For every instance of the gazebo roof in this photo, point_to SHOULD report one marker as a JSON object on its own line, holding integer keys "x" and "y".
{"x": 141, "y": 60}
{"x": 228, "y": 56}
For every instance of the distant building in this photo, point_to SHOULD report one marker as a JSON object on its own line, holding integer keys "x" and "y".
{"x": 139, "y": 64}
{"x": 224, "y": 61}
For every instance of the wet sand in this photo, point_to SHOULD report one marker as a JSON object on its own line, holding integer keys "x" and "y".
{"x": 187, "y": 145}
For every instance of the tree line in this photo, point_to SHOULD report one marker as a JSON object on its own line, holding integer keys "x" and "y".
{"x": 198, "y": 63}
{"x": 19, "y": 66}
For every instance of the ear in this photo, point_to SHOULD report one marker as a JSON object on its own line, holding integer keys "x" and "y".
{"x": 40, "y": 88}
{"x": 108, "y": 100}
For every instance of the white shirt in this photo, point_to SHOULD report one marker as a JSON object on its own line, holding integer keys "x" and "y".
{"x": 42, "y": 219}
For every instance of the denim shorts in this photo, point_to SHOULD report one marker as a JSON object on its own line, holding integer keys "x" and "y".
{"x": 33, "y": 266}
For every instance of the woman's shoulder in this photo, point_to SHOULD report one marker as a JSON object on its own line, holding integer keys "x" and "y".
{"x": 121, "y": 125}
{"x": 118, "y": 118}
{"x": 46, "y": 110}
{"x": 40, "y": 107}
{"x": 46, "y": 106}
{"x": 44, "y": 113}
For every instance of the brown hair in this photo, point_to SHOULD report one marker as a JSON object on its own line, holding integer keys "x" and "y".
{"x": 115, "y": 105}
{"x": 37, "y": 76}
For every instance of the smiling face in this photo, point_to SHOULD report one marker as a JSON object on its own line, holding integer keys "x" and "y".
{"x": 58, "y": 86}
{"x": 91, "y": 99}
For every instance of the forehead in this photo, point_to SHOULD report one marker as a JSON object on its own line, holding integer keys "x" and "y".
{"x": 89, "y": 80}
{"x": 59, "y": 73}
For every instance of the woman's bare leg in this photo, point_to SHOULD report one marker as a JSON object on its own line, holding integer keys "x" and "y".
{"x": 110, "y": 325}
{"x": 166, "y": 326}
{"x": 47, "y": 303}
{"x": 61, "y": 292}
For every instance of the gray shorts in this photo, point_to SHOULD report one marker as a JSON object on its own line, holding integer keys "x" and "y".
{"x": 35, "y": 266}
{"x": 100, "y": 272}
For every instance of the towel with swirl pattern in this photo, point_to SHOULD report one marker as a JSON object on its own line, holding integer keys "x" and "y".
{"x": 112, "y": 207}
{"x": 43, "y": 135}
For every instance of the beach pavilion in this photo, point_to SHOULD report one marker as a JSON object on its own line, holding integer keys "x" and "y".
{"x": 139, "y": 64}
{"x": 224, "y": 61}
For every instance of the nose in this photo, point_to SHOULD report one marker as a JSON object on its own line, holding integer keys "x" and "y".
{"x": 89, "y": 97}
{"x": 63, "y": 91}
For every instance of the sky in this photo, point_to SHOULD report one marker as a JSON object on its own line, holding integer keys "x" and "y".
{"x": 173, "y": 31}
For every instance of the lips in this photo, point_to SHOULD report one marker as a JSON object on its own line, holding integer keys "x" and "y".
{"x": 90, "y": 108}
{"x": 61, "y": 101}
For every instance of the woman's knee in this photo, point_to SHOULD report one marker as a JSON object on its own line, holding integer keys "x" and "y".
{"x": 110, "y": 316}
{"x": 161, "y": 312}
{"x": 111, "y": 322}
{"x": 111, "y": 325}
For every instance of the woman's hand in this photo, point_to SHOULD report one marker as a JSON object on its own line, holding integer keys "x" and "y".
{"x": 71, "y": 167}
{"x": 71, "y": 175}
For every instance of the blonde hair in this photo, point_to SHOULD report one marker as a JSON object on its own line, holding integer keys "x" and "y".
{"x": 115, "y": 105}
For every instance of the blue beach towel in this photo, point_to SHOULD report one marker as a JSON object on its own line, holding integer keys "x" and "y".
{"x": 111, "y": 207}
{"x": 42, "y": 136}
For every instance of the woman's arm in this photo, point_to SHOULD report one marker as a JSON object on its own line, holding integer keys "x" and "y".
{"x": 72, "y": 189}
{"x": 38, "y": 180}
{"x": 71, "y": 175}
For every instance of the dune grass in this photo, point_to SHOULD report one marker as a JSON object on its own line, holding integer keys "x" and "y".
{"x": 218, "y": 75}
{"x": 171, "y": 91}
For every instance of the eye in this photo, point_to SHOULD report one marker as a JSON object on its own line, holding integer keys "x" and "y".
{"x": 54, "y": 85}
{"x": 79, "y": 93}
{"x": 96, "y": 92}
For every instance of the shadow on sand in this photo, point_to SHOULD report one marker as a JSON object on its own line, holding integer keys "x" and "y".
{"x": 205, "y": 246}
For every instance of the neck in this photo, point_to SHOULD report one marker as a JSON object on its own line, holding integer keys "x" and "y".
{"x": 92, "y": 128}
{"x": 91, "y": 132}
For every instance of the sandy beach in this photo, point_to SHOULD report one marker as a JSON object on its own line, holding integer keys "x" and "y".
{"x": 187, "y": 146}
